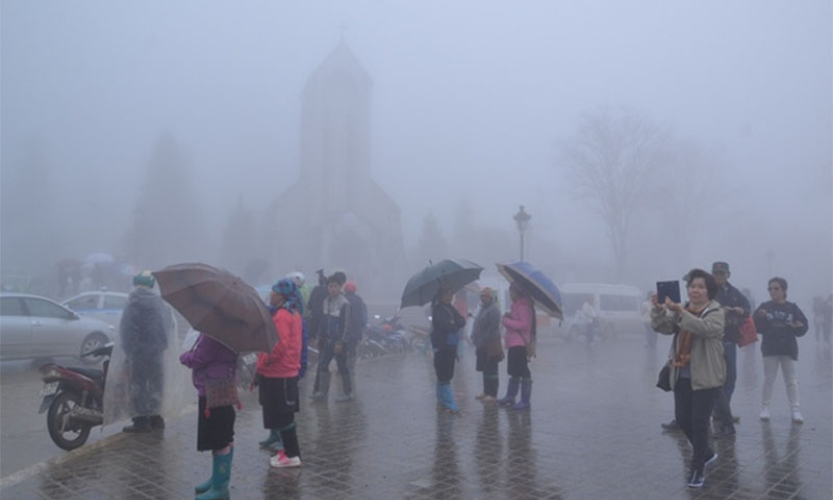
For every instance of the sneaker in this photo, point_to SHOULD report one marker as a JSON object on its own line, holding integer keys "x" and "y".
{"x": 281, "y": 461}
{"x": 764, "y": 415}
{"x": 318, "y": 396}
{"x": 798, "y": 418}
{"x": 488, "y": 399}
{"x": 479, "y": 397}
{"x": 671, "y": 426}
{"x": 344, "y": 398}
{"x": 696, "y": 480}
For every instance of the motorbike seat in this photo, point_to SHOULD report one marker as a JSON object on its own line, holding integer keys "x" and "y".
{"x": 91, "y": 373}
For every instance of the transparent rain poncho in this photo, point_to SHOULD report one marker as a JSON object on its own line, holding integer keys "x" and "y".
{"x": 145, "y": 376}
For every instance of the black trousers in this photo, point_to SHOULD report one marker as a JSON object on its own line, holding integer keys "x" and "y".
{"x": 327, "y": 354}
{"x": 693, "y": 409}
{"x": 444, "y": 359}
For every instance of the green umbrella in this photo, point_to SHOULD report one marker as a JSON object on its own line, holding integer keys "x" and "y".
{"x": 423, "y": 286}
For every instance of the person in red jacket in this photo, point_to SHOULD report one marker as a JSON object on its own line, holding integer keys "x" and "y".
{"x": 278, "y": 376}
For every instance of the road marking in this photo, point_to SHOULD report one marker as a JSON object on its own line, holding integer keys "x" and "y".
{"x": 32, "y": 470}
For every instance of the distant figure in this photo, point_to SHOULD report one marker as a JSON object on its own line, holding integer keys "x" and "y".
{"x": 589, "y": 311}
{"x": 486, "y": 336}
{"x": 145, "y": 325}
{"x": 650, "y": 334}
{"x": 737, "y": 310}
{"x": 358, "y": 323}
{"x": 823, "y": 319}
{"x": 447, "y": 323}
{"x": 780, "y": 323}
{"x": 332, "y": 338}
{"x": 520, "y": 340}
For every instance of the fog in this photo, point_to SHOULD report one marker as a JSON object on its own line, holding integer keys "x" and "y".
{"x": 472, "y": 106}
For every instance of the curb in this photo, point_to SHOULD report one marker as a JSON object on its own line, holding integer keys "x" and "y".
{"x": 22, "y": 475}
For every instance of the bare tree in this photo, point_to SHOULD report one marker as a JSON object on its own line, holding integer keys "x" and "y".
{"x": 613, "y": 163}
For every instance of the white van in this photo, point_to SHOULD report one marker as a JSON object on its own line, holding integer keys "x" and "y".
{"x": 619, "y": 308}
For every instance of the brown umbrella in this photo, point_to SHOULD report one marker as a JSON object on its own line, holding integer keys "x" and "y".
{"x": 220, "y": 305}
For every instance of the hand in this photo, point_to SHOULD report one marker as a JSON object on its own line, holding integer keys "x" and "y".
{"x": 736, "y": 310}
{"x": 655, "y": 300}
{"x": 797, "y": 324}
{"x": 338, "y": 348}
{"x": 673, "y": 306}
{"x": 761, "y": 312}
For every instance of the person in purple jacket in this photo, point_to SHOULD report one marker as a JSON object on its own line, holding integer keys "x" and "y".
{"x": 213, "y": 363}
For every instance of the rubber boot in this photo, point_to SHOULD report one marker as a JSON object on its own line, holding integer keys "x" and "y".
{"x": 448, "y": 399}
{"x": 203, "y": 487}
{"x": 274, "y": 437}
{"x": 220, "y": 478}
{"x": 140, "y": 425}
{"x": 526, "y": 393}
{"x": 511, "y": 393}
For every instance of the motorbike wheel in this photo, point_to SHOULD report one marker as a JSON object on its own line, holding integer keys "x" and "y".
{"x": 67, "y": 434}
{"x": 92, "y": 341}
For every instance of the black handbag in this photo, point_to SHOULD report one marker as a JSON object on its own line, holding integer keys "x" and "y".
{"x": 664, "y": 380}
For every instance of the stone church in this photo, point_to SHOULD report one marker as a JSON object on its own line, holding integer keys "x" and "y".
{"x": 335, "y": 216}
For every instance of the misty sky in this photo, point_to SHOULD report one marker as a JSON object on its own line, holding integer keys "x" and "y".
{"x": 469, "y": 99}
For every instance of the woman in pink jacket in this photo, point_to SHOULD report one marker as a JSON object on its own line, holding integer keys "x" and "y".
{"x": 278, "y": 377}
{"x": 520, "y": 345}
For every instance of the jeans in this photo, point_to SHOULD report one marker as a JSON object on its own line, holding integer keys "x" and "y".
{"x": 692, "y": 410}
{"x": 787, "y": 364}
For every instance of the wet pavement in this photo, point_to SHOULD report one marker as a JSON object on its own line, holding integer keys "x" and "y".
{"x": 593, "y": 433}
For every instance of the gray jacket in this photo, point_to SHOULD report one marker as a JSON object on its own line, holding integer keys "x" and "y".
{"x": 708, "y": 368}
{"x": 486, "y": 326}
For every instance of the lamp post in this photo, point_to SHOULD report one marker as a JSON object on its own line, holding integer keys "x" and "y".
{"x": 522, "y": 221}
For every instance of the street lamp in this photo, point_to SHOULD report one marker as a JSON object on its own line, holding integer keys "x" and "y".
{"x": 522, "y": 220}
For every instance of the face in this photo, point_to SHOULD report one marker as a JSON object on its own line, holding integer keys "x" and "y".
{"x": 447, "y": 296}
{"x": 776, "y": 293}
{"x": 334, "y": 289}
{"x": 486, "y": 300}
{"x": 721, "y": 278}
{"x": 697, "y": 292}
{"x": 276, "y": 299}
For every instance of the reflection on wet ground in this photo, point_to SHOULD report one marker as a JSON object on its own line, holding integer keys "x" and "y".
{"x": 593, "y": 432}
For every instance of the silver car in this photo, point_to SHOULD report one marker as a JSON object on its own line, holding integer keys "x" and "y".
{"x": 103, "y": 305}
{"x": 34, "y": 327}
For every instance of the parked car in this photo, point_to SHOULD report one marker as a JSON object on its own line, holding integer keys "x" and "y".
{"x": 619, "y": 309}
{"x": 36, "y": 327}
{"x": 103, "y": 305}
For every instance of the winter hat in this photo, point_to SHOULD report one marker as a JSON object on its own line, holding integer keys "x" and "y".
{"x": 144, "y": 278}
{"x": 720, "y": 267}
{"x": 350, "y": 287}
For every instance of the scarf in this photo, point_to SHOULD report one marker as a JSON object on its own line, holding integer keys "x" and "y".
{"x": 683, "y": 355}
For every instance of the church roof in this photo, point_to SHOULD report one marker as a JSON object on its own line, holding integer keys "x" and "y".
{"x": 339, "y": 60}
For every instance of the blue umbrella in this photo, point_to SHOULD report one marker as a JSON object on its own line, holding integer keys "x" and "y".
{"x": 424, "y": 285}
{"x": 540, "y": 287}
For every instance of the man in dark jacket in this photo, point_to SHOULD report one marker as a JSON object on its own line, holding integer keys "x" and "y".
{"x": 332, "y": 337}
{"x": 144, "y": 328}
{"x": 358, "y": 321}
{"x": 737, "y": 310}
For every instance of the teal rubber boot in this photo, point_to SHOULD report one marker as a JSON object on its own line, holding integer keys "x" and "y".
{"x": 203, "y": 487}
{"x": 269, "y": 442}
{"x": 220, "y": 479}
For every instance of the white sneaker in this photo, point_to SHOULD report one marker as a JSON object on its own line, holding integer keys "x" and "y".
{"x": 798, "y": 417}
{"x": 764, "y": 415}
{"x": 280, "y": 461}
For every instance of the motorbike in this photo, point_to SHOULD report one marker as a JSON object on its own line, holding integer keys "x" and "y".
{"x": 73, "y": 399}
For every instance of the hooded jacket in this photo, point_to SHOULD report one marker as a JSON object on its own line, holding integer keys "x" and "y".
{"x": 285, "y": 359}
{"x": 707, "y": 365}
{"x": 209, "y": 359}
{"x": 486, "y": 326}
{"x": 145, "y": 324}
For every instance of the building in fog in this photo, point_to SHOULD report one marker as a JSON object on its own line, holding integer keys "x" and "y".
{"x": 336, "y": 216}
